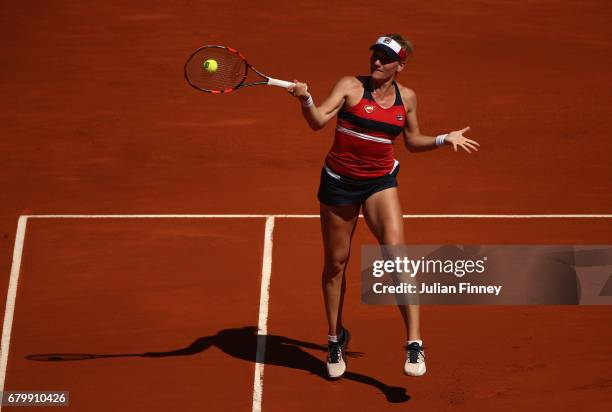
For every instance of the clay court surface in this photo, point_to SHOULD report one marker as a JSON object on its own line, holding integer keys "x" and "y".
{"x": 162, "y": 312}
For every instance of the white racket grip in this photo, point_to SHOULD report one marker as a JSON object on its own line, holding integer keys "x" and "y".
{"x": 279, "y": 83}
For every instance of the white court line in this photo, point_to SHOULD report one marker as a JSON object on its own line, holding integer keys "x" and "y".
{"x": 306, "y": 216}
{"x": 266, "y": 268}
{"x": 262, "y": 325}
{"x": 151, "y": 216}
{"x": 9, "y": 312}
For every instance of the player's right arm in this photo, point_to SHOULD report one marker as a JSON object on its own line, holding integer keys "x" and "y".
{"x": 318, "y": 116}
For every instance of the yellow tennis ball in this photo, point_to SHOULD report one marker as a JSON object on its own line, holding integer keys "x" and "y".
{"x": 210, "y": 65}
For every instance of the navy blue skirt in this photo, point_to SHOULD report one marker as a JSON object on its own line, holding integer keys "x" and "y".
{"x": 337, "y": 190}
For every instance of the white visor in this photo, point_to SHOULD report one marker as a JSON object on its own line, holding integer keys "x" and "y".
{"x": 390, "y": 46}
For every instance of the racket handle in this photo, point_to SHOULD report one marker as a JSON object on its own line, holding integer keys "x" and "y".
{"x": 279, "y": 83}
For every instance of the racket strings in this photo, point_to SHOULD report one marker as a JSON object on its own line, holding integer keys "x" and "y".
{"x": 230, "y": 72}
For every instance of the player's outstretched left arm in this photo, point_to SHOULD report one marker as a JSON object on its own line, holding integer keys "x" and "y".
{"x": 457, "y": 139}
{"x": 414, "y": 139}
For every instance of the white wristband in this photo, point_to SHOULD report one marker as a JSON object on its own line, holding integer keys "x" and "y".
{"x": 308, "y": 102}
{"x": 440, "y": 139}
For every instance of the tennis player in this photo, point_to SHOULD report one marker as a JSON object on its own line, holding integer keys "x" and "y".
{"x": 360, "y": 172}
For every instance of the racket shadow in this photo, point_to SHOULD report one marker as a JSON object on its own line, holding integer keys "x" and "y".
{"x": 241, "y": 343}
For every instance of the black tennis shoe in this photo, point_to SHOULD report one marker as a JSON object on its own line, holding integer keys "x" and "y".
{"x": 415, "y": 360}
{"x": 336, "y": 356}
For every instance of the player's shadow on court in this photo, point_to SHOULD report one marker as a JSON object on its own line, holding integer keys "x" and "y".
{"x": 242, "y": 343}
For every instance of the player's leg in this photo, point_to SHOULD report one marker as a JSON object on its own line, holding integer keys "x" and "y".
{"x": 337, "y": 226}
{"x": 383, "y": 214}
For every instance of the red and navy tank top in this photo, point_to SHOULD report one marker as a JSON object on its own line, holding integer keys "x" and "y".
{"x": 363, "y": 144}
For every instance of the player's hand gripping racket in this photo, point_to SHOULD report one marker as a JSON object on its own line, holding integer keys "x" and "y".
{"x": 220, "y": 69}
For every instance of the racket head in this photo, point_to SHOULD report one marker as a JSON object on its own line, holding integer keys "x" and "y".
{"x": 231, "y": 71}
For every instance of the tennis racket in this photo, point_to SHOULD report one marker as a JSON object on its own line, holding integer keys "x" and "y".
{"x": 229, "y": 72}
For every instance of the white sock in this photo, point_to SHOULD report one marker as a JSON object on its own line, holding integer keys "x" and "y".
{"x": 336, "y": 338}
{"x": 420, "y": 342}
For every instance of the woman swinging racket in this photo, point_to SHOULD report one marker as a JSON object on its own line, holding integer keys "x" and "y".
{"x": 360, "y": 172}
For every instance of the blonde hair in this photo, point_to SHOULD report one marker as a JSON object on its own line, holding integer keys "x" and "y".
{"x": 405, "y": 43}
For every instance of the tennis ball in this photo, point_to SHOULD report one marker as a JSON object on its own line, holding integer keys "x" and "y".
{"x": 210, "y": 65}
